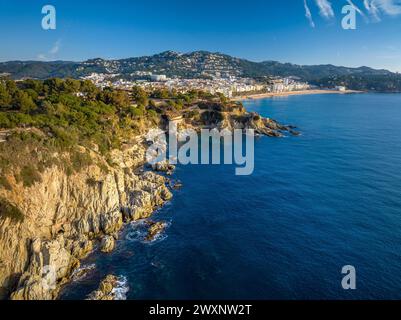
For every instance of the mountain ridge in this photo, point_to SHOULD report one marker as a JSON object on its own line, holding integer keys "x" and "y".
{"x": 191, "y": 65}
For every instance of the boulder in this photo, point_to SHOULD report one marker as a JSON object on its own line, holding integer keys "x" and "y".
{"x": 163, "y": 166}
{"x": 107, "y": 244}
{"x": 82, "y": 247}
{"x": 155, "y": 228}
{"x": 106, "y": 289}
{"x": 51, "y": 263}
{"x": 111, "y": 222}
{"x": 177, "y": 185}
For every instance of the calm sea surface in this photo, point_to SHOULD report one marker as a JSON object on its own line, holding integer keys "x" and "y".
{"x": 315, "y": 203}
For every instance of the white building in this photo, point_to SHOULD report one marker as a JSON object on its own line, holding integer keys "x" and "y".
{"x": 341, "y": 88}
{"x": 158, "y": 77}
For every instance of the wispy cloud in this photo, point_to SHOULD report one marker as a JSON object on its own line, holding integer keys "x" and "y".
{"x": 388, "y": 7}
{"x": 51, "y": 53}
{"x": 41, "y": 56}
{"x": 371, "y": 10}
{"x": 308, "y": 14}
{"x": 56, "y": 47}
{"x": 356, "y": 8}
{"x": 326, "y": 10}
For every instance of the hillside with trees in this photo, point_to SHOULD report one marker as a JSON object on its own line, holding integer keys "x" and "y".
{"x": 203, "y": 64}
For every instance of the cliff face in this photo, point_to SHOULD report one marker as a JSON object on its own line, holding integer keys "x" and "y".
{"x": 231, "y": 116}
{"x": 65, "y": 216}
{"x": 46, "y": 228}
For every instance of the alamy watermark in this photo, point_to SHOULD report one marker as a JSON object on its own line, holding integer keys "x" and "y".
{"x": 349, "y": 280}
{"x": 49, "y": 278}
{"x": 189, "y": 147}
{"x": 49, "y": 21}
{"x": 349, "y": 20}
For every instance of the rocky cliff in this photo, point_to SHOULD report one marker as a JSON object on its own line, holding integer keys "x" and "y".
{"x": 64, "y": 217}
{"x": 230, "y": 116}
{"x": 49, "y": 224}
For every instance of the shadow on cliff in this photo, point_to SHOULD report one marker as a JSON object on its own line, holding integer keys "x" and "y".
{"x": 11, "y": 282}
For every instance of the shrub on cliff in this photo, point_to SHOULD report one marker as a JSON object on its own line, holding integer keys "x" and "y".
{"x": 211, "y": 117}
{"x": 137, "y": 111}
{"x": 80, "y": 160}
{"x": 4, "y": 183}
{"x": 140, "y": 96}
{"x": 5, "y": 97}
{"x": 5, "y": 121}
{"x": 29, "y": 176}
{"x": 8, "y": 210}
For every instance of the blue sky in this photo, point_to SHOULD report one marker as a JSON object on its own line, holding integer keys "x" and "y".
{"x": 254, "y": 29}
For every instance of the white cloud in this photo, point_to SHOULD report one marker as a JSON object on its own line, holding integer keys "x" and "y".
{"x": 56, "y": 48}
{"x": 308, "y": 14}
{"x": 388, "y": 7}
{"x": 372, "y": 10}
{"x": 356, "y": 8}
{"x": 41, "y": 56}
{"x": 52, "y": 52}
{"x": 370, "y": 6}
{"x": 325, "y": 8}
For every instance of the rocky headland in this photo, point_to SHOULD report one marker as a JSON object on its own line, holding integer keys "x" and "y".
{"x": 231, "y": 116}
{"x": 56, "y": 217}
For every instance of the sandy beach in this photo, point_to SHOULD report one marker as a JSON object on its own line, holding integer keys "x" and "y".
{"x": 291, "y": 93}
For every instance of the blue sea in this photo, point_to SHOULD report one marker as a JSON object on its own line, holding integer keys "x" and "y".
{"x": 315, "y": 203}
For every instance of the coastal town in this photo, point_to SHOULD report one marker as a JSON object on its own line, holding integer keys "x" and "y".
{"x": 230, "y": 86}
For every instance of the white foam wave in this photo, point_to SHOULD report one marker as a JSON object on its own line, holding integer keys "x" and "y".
{"x": 122, "y": 288}
{"x": 81, "y": 272}
{"x": 139, "y": 232}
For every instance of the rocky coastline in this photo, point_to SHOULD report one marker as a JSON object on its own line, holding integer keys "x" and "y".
{"x": 109, "y": 290}
{"x": 66, "y": 217}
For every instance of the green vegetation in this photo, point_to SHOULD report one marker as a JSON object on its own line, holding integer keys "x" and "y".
{"x": 29, "y": 176}
{"x": 70, "y": 111}
{"x": 161, "y": 94}
{"x": 60, "y": 122}
{"x": 5, "y": 184}
{"x": 25, "y": 155}
{"x": 48, "y": 120}
{"x": 140, "y": 96}
{"x": 211, "y": 117}
{"x": 80, "y": 160}
{"x": 8, "y": 210}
